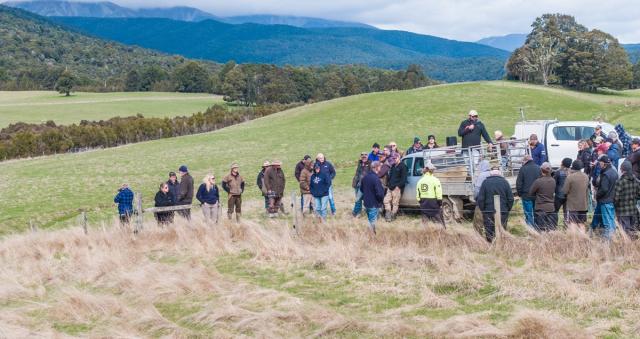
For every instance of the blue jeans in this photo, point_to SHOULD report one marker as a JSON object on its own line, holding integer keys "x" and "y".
{"x": 605, "y": 216}
{"x": 372, "y": 216}
{"x": 528, "y": 206}
{"x": 357, "y": 207}
{"x": 321, "y": 206}
{"x": 332, "y": 203}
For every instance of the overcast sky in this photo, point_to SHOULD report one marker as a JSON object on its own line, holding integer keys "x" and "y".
{"x": 467, "y": 20}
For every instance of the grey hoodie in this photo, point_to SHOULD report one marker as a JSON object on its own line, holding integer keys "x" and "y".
{"x": 484, "y": 170}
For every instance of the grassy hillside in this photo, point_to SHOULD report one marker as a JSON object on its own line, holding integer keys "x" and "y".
{"x": 34, "y": 51}
{"x": 50, "y": 190}
{"x": 442, "y": 59}
{"x": 41, "y": 106}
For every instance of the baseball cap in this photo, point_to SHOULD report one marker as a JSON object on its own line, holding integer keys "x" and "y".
{"x": 635, "y": 141}
{"x": 473, "y": 113}
{"x": 183, "y": 168}
{"x": 604, "y": 158}
{"x": 430, "y": 166}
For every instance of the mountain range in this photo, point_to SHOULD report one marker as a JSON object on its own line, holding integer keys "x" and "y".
{"x": 442, "y": 59}
{"x": 105, "y": 9}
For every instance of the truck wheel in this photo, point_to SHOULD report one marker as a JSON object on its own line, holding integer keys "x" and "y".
{"x": 451, "y": 209}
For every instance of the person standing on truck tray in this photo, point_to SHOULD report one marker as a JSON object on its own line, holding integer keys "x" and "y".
{"x": 429, "y": 195}
{"x": 274, "y": 183}
{"x": 543, "y": 190}
{"x": 538, "y": 151}
{"x": 625, "y": 200}
{"x": 327, "y": 167}
{"x": 185, "y": 191}
{"x": 416, "y": 147}
{"x": 372, "y": 195}
{"x": 233, "y": 184}
{"x": 634, "y": 157}
{"x": 598, "y": 133}
{"x": 362, "y": 169}
{"x": 604, "y": 214}
{"x": 260, "y": 184}
{"x": 560, "y": 200}
{"x": 124, "y": 199}
{"x": 528, "y": 173}
{"x": 431, "y": 142}
{"x": 472, "y": 131}
{"x": 494, "y": 185}
{"x": 397, "y": 180}
{"x": 577, "y": 192}
{"x": 305, "y": 186}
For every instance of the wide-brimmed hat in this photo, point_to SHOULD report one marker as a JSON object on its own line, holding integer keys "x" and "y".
{"x": 235, "y": 165}
{"x": 276, "y": 163}
{"x": 266, "y": 163}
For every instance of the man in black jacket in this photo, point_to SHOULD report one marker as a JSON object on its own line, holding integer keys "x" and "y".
{"x": 185, "y": 191}
{"x": 494, "y": 185}
{"x": 634, "y": 157}
{"x": 472, "y": 130}
{"x": 604, "y": 215}
{"x": 395, "y": 185}
{"x": 528, "y": 173}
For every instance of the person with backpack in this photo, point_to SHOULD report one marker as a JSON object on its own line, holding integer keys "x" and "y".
{"x": 208, "y": 195}
{"x": 233, "y": 184}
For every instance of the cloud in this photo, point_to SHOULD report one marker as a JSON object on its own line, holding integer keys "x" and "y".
{"x": 467, "y": 20}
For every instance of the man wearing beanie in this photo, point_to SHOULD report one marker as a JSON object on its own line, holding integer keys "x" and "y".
{"x": 185, "y": 191}
{"x": 560, "y": 177}
{"x": 576, "y": 190}
{"x": 627, "y": 194}
{"x": 604, "y": 214}
{"x": 543, "y": 190}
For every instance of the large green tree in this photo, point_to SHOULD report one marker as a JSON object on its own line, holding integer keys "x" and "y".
{"x": 66, "y": 82}
{"x": 191, "y": 78}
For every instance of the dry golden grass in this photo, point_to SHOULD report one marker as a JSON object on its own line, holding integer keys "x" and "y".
{"x": 260, "y": 278}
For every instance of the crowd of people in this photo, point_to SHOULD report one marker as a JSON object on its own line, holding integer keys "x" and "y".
{"x": 588, "y": 183}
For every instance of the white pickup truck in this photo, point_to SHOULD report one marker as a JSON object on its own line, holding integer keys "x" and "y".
{"x": 560, "y": 137}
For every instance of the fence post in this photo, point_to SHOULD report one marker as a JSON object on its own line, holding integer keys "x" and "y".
{"x": 84, "y": 222}
{"x": 294, "y": 209}
{"x": 139, "y": 218}
{"x": 33, "y": 227}
{"x": 498, "y": 216}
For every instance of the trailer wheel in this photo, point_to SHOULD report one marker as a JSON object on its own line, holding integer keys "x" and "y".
{"x": 451, "y": 209}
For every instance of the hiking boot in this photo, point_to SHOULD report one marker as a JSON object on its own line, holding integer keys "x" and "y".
{"x": 387, "y": 217}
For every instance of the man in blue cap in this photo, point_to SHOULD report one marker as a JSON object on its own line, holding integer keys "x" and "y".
{"x": 185, "y": 191}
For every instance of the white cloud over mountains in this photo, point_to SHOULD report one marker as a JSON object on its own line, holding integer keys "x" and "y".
{"x": 456, "y": 19}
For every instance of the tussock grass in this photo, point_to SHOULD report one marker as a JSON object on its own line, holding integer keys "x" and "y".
{"x": 260, "y": 278}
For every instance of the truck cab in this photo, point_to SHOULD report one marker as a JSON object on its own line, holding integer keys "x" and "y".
{"x": 560, "y": 138}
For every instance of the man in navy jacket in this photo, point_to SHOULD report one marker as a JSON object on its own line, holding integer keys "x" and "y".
{"x": 373, "y": 194}
{"x": 327, "y": 168}
{"x": 538, "y": 151}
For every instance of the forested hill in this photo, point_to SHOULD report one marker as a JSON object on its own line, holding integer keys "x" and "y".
{"x": 442, "y": 59}
{"x": 35, "y": 51}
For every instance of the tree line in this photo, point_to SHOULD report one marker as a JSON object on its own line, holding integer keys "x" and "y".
{"x": 26, "y": 140}
{"x": 561, "y": 51}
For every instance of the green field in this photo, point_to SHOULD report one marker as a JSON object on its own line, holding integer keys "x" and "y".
{"x": 49, "y": 191}
{"x": 41, "y": 106}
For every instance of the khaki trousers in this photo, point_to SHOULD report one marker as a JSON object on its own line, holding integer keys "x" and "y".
{"x": 392, "y": 200}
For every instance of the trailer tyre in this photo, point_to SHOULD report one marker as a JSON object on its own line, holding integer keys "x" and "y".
{"x": 451, "y": 209}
